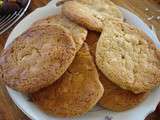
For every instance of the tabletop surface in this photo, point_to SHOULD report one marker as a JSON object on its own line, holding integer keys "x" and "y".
{"x": 148, "y": 10}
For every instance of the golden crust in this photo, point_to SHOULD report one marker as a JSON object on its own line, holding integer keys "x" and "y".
{"x": 76, "y": 92}
{"x": 90, "y": 13}
{"x": 79, "y": 33}
{"x": 128, "y": 57}
{"x": 37, "y": 58}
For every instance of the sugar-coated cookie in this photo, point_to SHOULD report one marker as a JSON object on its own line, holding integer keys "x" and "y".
{"x": 37, "y": 58}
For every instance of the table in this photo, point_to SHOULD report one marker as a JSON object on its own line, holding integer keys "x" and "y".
{"x": 148, "y": 10}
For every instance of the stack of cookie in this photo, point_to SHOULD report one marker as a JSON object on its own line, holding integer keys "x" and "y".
{"x": 86, "y": 55}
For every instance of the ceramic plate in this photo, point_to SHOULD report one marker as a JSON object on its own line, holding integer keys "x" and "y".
{"x": 98, "y": 113}
{"x": 7, "y": 21}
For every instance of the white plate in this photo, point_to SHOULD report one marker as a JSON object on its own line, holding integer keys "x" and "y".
{"x": 8, "y": 21}
{"x": 97, "y": 113}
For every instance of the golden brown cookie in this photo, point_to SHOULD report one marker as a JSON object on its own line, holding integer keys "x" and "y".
{"x": 118, "y": 99}
{"x": 90, "y": 13}
{"x": 76, "y": 92}
{"x": 79, "y": 33}
{"x": 37, "y": 58}
{"x": 114, "y": 97}
{"x": 128, "y": 57}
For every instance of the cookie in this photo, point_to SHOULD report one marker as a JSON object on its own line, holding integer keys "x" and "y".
{"x": 114, "y": 97}
{"x": 128, "y": 57}
{"x": 118, "y": 99}
{"x": 37, "y": 58}
{"x": 76, "y": 92}
{"x": 90, "y": 13}
{"x": 79, "y": 33}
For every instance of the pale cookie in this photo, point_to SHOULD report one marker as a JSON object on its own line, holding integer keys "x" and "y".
{"x": 128, "y": 57}
{"x": 37, "y": 58}
{"x": 79, "y": 33}
{"x": 76, "y": 92}
{"x": 114, "y": 97}
{"x": 90, "y": 13}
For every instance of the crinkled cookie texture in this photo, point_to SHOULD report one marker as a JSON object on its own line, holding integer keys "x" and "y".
{"x": 76, "y": 92}
{"x": 128, "y": 57}
{"x": 79, "y": 33}
{"x": 114, "y": 97}
{"x": 37, "y": 58}
{"x": 90, "y": 13}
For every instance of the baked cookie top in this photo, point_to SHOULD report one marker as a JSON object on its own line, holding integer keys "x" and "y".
{"x": 79, "y": 33}
{"x": 76, "y": 92}
{"x": 37, "y": 58}
{"x": 90, "y": 13}
{"x": 128, "y": 57}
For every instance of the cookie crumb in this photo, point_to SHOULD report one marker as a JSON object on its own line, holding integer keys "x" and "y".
{"x": 146, "y": 9}
{"x": 150, "y": 18}
{"x": 158, "y": 17}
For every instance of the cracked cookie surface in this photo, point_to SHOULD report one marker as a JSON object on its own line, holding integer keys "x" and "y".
{"x": 128, "y": 57}
{"x": 79, "y": 33}
{"x": 76, "y": 92}
{"x": 37, "y": 58}
{"x": 90, "y": 13}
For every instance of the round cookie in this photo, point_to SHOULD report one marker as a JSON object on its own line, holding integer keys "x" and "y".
{"x": 37, "y": 58}
{"x": 90, "y": 13}
{"x": 76, "y": 92}
{"x": 78, "y": 33}
{"x": 114, "y": 97}
{"x": 128, "y": 57}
